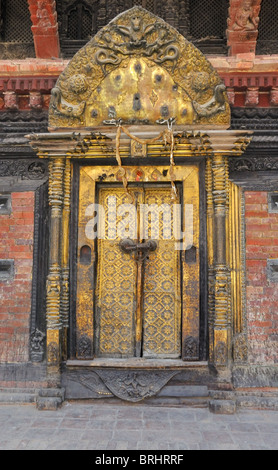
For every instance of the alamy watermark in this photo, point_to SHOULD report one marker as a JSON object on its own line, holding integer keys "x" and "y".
{"x": 148, "y": 221}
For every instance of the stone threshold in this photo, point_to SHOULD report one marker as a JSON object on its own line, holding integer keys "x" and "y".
{"x": 136, "y": 363}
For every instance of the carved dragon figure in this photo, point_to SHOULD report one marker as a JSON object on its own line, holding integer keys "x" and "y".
{"x": 214, "y": 105}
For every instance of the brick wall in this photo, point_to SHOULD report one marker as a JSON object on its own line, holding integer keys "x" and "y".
{"x": 262, "y": 294}
{"x": 16, "y": 242}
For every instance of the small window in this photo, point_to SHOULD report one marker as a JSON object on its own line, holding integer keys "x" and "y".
{"x": 267, "y": 36}
{"x": 208, "y": 25}
{"x": 5, "y": 204}
{"x": 6, "y": 269}
{"x": 273, "y": 203}
{"x": 17, "y": 22}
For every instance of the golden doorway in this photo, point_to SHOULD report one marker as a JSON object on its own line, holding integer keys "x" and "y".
{"x": 138, "y": 264}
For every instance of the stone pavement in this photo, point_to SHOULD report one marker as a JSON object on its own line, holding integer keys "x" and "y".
{"x": 93, "y": 426}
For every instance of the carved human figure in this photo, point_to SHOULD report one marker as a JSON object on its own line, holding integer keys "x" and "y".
{"x": 245, "y": 19}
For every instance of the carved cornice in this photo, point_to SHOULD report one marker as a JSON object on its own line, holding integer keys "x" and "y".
{"x": 82, "y": 144}
{"x": 22, "y": 84}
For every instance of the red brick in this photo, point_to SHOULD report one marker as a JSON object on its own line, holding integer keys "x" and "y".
{"x": 16, "y": 235}
{"x": 260, "y": 228}
{"x": 252, "y": 213}
{"x": 256, "y": 196}
{"x": 262, "y": 295}
{"x": 261, "y": 241}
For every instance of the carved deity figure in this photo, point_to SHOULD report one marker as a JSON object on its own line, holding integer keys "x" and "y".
{"x": 42, "y": 15}
{"x": 245, "y": 19}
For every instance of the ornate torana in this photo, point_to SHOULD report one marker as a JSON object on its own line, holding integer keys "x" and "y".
{"x": 139, "y": 70}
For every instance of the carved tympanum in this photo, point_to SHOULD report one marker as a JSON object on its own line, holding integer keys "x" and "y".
{"x": 141, "y": 70}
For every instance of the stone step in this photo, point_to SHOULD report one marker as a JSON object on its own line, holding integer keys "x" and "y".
{"x": 50, "y": 398}
{"x": 184, "y": 391}
{"x": 10, "y": 397}
{"x": 257, "y": 402}
{"x": 52, "y": 392}
{"x": 181, "y": 395}
{"x": 176, "y": 402}
{"x": 254, "y": 399}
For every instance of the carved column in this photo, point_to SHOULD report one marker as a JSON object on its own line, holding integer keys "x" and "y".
{"x": 243, "y": 24}
{"x": 210, "y": 232}
{"x": 221, "y": 315}
{"x": 101, "y": 17}
{"x": 184, "y": 24}
{"x": 53, "y": 286}
{"x": 171, "y": 13}
{"x": 45, "y": 28}
{"x": 64, "y": 308}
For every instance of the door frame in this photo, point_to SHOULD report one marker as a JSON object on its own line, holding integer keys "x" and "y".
{"x": 224, "y": 304}
{"x": 194, "y": 346}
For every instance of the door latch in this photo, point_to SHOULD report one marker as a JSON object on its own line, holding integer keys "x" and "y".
{"x": 140, "y": 249}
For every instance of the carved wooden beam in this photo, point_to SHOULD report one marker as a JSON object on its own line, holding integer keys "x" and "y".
{"x": 243, "y": 21}
{"x": 45, "y": 28}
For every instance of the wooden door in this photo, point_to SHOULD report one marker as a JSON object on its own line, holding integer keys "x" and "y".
{"x": 137, "y": 290}
{"x": 138, "y": 295}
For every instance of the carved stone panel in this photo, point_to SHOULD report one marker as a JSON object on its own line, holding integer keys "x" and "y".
{"x": 135, "y": 385}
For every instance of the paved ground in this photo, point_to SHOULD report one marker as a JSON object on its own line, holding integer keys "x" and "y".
{"x": 82, "y": 426}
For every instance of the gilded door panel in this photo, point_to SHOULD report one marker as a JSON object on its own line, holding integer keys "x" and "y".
{"x": 162, "y": 302}
{"x": 116, "y": 278}
{"x": 85, "y": 275}
{"x": 191, "y": 269}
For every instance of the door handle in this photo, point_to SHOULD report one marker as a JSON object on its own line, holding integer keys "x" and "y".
{"x": 128, "y": 246}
